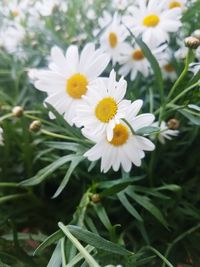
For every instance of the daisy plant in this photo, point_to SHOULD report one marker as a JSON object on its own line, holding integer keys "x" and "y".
{"x": 99, "y": 133}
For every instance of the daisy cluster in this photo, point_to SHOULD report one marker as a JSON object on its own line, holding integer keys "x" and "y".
{"x": 97, "y": 105}
{"x": 22, "y": 21}
{"x": 77, "y": 87}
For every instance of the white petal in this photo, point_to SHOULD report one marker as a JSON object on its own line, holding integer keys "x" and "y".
{"x": 141, "y": 121}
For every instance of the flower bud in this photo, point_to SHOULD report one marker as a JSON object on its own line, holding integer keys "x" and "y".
{"x": 57, "y": 28}
{"x": 95, "y": 198}
{"x": 35, "y": 126}
{"x": 17, "y": 111}
{"x": 173, "y": 124}
{"x": 192, "y": 42}
{"x": 34, "y": 43}
{"x": 196, "y": 34}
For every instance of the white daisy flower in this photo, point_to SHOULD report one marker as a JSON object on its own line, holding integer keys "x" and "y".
{"x": 133, "y": 61}
{"x": 153, "y": 21}
{"x": 46, "y": 7}
{"x": 17, "y": 9}
{"x": 113, "y": 38}
{"x": 103, "y": 106}
{"x": 12, "y": 37}
{"x": 120, "y": 4}
{"x": 1, "y": 136}
{"x": 70, "y": 76}
{"x": 169, "y": 72}
{"x": 125, "y": 148}
{"x": 103, "y": 22}
{"x": 165, "y": 132}
{"x": 171, "y": 4}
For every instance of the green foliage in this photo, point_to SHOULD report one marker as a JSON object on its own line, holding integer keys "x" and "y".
{"x": 149, "y": 217}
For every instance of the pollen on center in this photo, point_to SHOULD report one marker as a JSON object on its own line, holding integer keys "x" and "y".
{"x": 106, "y": 109}
{"x": 120, "y": 135}
{"x": 113, "y": 39}
{"x": 76, "y": 86}
{"x": 137, "y": 55}
{"x": 174, "y": 4}
{"x": 151, "y": 20}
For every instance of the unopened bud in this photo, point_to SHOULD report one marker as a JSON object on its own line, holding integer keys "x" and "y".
{"x": 57, "y": 28}
{"x": 17, "y": 111}
{"x": 35, "y": 126}
{"x": 196, "y": 34}
{"x": 173, "y": 124}
{"x": 95, "y": 198}
{"x": 192, "y": 42}
{"x": 34, "y": 43}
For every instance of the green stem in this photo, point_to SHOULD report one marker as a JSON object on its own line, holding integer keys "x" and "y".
{"x": 9, "y": 115}
{"x": 129, "y": 126}
{"x": 155, "y": 251}
{"x": 185, "y": 91}
{"x": 69, "y": 138}
{"x": 8, "y": 184}
{"x": 178, "y": 239}
{"x": 183, "y": 74}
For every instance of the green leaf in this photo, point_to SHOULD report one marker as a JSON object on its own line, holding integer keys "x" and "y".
{"x": 108, "y": 184}
{"x": 170, "y": 187}
{"x": 103, "y": 216}
{"x": 56, "y": 257}
{"x": 49, "y": 241}
{"x": 72, "y": 131}
{"x": 97, "y": 241}
{"x": 45, "y": 172}
{"x": 154, "y": 64}
{"x": 146, "y": 204}
{"x": 127, "y": 205}
{"x": 64, "y": 146}
{"x": 115, "y": 188}
{"x": 75, "y": 162}
{"x": 79, "y": 257}
{"x": 148, "y": 130}
{"x": 194, "y": 119}
{"x": 89, "y": 259}
{"x": 11, "y": 197}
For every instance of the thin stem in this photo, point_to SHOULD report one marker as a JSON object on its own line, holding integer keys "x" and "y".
{"x": 9, "y": 115}
{"x": 64, "y": 137}
{"x": 183, "y": 74}
{"x": 129, "y": 125}
{"x": 183, "y": 93}
{"x": 179, "y": 238}
{"x": 163, "y": 258}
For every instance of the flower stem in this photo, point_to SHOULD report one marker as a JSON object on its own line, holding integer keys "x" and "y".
{"x": 183, "y": 74}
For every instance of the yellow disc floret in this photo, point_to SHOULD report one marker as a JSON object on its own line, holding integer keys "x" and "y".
{"x": 174, "y": 4}
{"x": 151, "y": 20}
{"x": 120, "y": 135}
{"x": 138, "y": 55}
{"x": 169, "y": 68}
{"x": 113, "y": 40}
{"x": 76, "y": 86}
{"x": 106, "y": 109}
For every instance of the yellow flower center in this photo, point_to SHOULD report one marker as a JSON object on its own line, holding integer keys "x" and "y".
{"x": 120, "y": 135}
{"x": 106, "y": 109}
{"x": 113, "y": 39}
{"x": 76, "y": 86}
{"x": 151, "y": 20}
{"x": 169, "y": 68}
{"x": 138, "y": 55}
{"x": 15, "y": 13}
{"x": 174, "y": 4}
